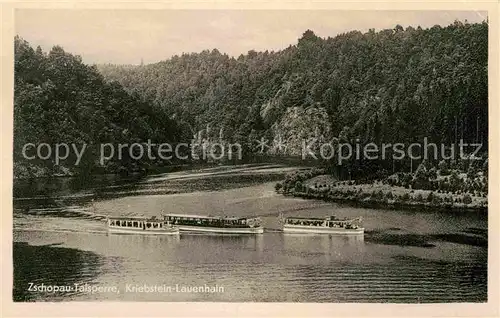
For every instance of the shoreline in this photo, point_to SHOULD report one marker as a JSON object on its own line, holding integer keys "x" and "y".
{"x": 97, "y": 173}
{"x": 152, "y": 170}
{"x": 381, "y": 194}
{"x": 374, "y": 204}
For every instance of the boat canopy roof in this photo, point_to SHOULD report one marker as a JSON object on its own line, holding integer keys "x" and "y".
{"x": 328, "y": 218}
{"x": 135, "y": 218}
{"x": 193, "y": 216}
{"x": 304, "y": 218}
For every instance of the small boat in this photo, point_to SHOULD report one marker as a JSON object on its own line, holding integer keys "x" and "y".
{"x": 327, "y": 225}
{"x": 215, "y": 224}
{"x": 140, "y": 225}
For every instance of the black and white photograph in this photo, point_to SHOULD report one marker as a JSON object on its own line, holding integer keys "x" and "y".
{"x": 250, "y": 156}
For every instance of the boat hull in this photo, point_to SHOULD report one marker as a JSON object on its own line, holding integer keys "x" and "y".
{"x": 173, "y": 231}
{"x": 321, "y": 230}
{"x": 221, "y": 230}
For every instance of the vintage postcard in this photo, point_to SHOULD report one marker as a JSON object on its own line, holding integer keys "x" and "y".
{"x": 257, "y": 156}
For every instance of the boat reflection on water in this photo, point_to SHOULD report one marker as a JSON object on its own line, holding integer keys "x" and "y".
{"x": 151, "y": 240}
{"x": 328, "y": 246}
{"x": 243, "y": 241}
{"x": 328, "y": 239}
{"x": 137, "y": 245}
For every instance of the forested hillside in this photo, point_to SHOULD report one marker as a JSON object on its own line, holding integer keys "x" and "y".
{"x": 392, "y": 86}
{"x": 396, "y": 85}
{"x": 59, "y": 99}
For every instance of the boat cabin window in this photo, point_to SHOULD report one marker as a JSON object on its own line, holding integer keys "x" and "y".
{"x": 136, "y": 224}
{"x": 148, "y": 225}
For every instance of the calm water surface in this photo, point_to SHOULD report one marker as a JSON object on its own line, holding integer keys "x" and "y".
{"x": 405, "y": 256}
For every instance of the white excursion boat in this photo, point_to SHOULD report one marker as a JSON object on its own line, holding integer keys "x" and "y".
{"x": 215, "y": 224}
{"x": 327, "y": 225}
{"x": 140, "y": 225}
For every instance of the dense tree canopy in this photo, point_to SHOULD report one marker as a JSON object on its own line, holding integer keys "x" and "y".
{"x": 396, "y": 85}
{"x": 392, "y": 86}
{"x": 58, "y": 99}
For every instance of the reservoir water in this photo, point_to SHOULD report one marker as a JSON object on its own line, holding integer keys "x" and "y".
{"x": 405, "y": 256}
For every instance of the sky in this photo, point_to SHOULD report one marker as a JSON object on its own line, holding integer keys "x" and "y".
{"x": 129, "y": 36}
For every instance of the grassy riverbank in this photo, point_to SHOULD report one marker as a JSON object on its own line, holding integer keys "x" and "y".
{"x": 27, "y": 172}
{"x": 467, "y": 192}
